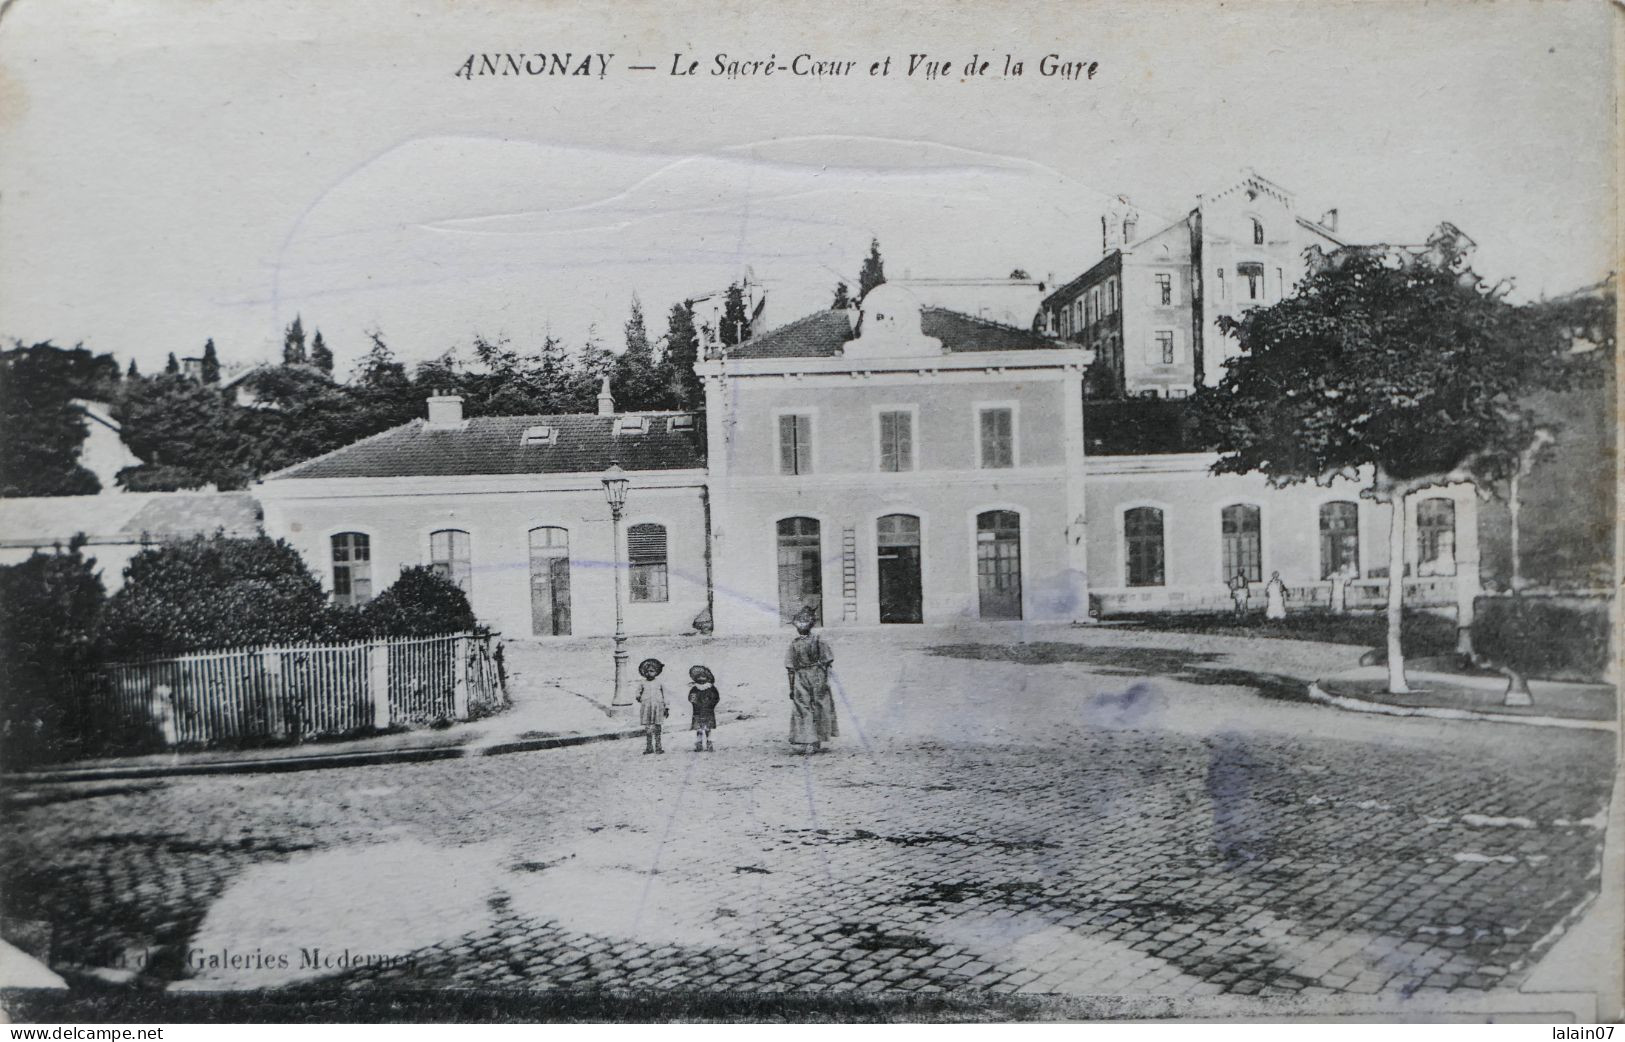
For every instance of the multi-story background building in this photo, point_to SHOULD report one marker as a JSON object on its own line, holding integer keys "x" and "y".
{"x": 1150, "y": 307}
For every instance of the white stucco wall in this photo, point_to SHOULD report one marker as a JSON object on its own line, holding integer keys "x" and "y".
{"x": 399, "y": 514}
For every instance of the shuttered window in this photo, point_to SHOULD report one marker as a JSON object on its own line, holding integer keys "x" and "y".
{"x": 646, "y": 560}
{"x": 896, "y": 441}
{"x": 795, "y": 444}
{"x": 998, "y": 438}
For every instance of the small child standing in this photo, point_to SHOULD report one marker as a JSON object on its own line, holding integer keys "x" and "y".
{"x": 704, "y": 698}
{"x": 652, "y": 707}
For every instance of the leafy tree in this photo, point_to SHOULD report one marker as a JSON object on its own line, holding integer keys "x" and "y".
{"x": 293, "y": 343}
{"x": 213, "y": 592}
{"x": 320, "y": 356}
{"x": 211, "y": 363}
{"x": 1019, "y": 274}
{"x": 682, "y": 351}
{"x": 1400, "y": 366}
{"x": 638, "y": 381}
{"x": 421, "y": 603}
{"x": 842, "y": 300}
{"x": 50, "y": 608}
{"x": 874, "y": 270}
{"x": 189, "y": 434}
{"x": 172, "y": 367}
{"x": 43, "y": 429}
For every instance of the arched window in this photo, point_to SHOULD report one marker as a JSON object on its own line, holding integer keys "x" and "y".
{"x": 801, "y": 568}
{"x": 1339, "y": 539}
{"x": 1436, "y": 537}
{"x": 646, "y": 562}
{"x": 352, "y": 568}
{"x": 449, "y": 557}
{"x": 1142, "y": 533}
{"x": 1243, "y": 549}
{"x": 1258, "y": 232}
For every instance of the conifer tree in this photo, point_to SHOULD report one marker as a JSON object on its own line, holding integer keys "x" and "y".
{"x": 211, "y": 363}
{"x": 320, "y": 356}
{"x": 293, "y": 343}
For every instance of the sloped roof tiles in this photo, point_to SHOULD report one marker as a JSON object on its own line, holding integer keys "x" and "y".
{"x": 824, "y": 334}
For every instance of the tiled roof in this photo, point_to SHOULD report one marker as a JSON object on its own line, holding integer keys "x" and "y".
{"x": 493, "y": 445}
{"x": 176, "y": 515}
{"x": 823, "y": 334}
{"x": 126, "y": 516}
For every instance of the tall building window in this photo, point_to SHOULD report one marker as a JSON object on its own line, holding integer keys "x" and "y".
{"x": 1258, "y": 232}
{"x": 896, "y": 440}
{"x": 1280, "y": 284}
{"x": 998, "y": 438}
{"x": 795, "y": 444}
{"x": 1243, "y": 548}
{"x": 1162, "y": 346}
{"x": 1112, "y": 301}
{"x": 1142, "y": 534}
{"x": 1436, "y": 537}
{"x": 801, "y": 577}
{"x": 646, "y": 562}
{"x": 449, "y": 557}
{"x": 1165, "y": 288}
{"x": 352, "y": 568}
{"x": 1251, "y": 279}
{"x": 1339, "y": 539}
{"x": 1219, "y": 279}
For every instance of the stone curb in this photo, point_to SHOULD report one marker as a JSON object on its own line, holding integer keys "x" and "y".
{"x": 317, "y": 762}
{"x": 1361, "y": 705}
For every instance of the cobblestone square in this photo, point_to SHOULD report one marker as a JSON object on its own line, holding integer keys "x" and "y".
{"x": 1102, "y": 813}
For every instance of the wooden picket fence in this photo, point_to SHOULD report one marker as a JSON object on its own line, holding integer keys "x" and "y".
{"x": 293, "y": 692}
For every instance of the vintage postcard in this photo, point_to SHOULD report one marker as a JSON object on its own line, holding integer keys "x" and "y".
{"x": 830, "y": 512}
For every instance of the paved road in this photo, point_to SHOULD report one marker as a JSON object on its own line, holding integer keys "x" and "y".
{"x": 1100, "y": 813}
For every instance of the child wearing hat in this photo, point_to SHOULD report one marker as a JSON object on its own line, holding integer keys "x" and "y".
{"x": 704, "y": 698}
{"x": 652, "y": 707}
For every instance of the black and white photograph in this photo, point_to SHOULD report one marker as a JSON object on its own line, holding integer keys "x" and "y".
{"x": 810, "y": 513}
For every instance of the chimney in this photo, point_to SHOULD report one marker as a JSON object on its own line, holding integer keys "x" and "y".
{"x": 606, "y": 401}
{"x": 445, "y": 410}
{"x": 1328, "y": 220}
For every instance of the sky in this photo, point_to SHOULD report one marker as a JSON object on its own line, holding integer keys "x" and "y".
{"x": 175, "y": 170}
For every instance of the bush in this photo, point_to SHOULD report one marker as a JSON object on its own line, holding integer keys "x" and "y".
{"x": 421, "y": 603}
{"x": 1554, "y": 638}
{"x": 215, "y": 592}
{"x": 50, "y": 606}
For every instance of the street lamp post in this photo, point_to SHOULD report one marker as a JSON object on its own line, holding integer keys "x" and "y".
{"x": 615, "y": 483}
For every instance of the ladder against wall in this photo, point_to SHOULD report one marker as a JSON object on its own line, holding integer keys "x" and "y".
{"x": 849, "y": 574}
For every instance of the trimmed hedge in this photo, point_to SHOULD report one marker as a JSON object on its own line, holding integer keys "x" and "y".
{"x": 1550, "y": 638}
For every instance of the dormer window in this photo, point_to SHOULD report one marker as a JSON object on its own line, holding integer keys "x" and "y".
{"x": 540, "y": 436}
{"x": 632, "y": 425}
{"x": 683, "y": 422}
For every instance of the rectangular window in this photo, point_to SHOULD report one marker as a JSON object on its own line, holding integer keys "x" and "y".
{"x": 1162, "y": 347}
{"x": 795, "y": 444}
{"x": 1165, "y": 289}
{"x": 1219, "y": 281}
{"x": 1142, "y": 532}
{"x": 1111, "y": 296}
{"x": 1280, "y": 284}
{"x": 998, "y": 436}
{"x": 896, "y": 441}
{"x": 449, "y": 557}
{"x": 352, "y": 568}
{"x": 646, "y": 563}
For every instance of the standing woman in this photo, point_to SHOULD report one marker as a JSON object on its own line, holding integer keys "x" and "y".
{"x": 1275, "y": 593}
{"x": 812, "y": 708}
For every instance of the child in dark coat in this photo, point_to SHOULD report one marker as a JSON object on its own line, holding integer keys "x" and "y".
{"x": 704, "y": 698}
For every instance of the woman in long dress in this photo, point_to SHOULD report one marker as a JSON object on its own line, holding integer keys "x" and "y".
{"x": 1275, "y": 592}
{"x": 812, "y": 707}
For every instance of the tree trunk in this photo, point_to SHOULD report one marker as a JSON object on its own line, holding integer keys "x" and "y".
{"x": 1396, "y": 593}
{"x": 1513, "y": 507}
